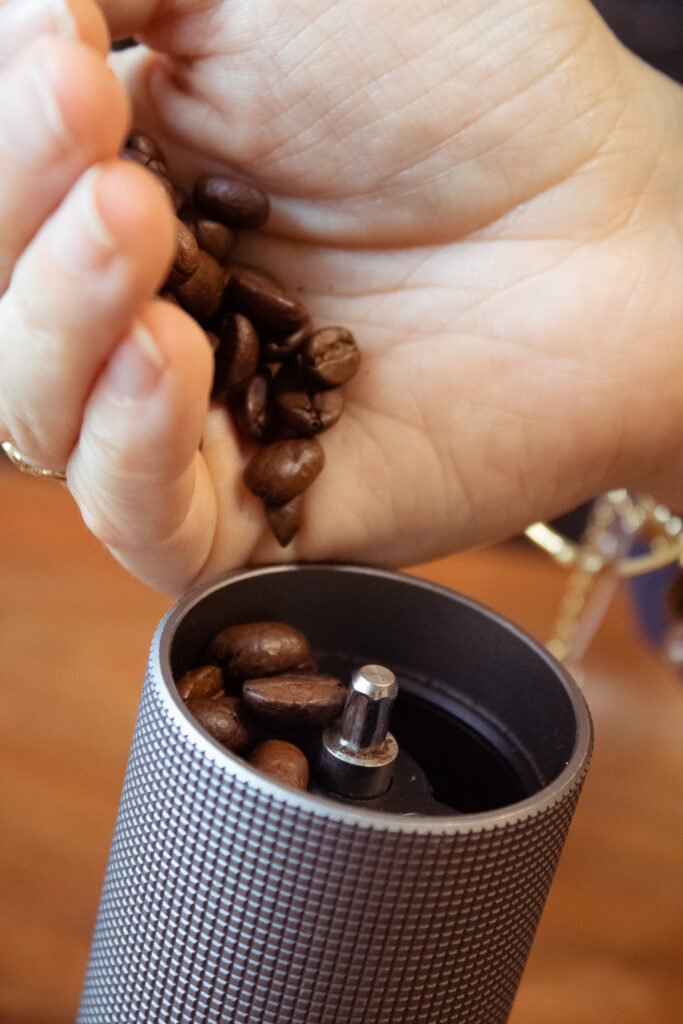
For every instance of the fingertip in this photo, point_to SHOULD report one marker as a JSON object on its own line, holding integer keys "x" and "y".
{"x": 136, "y": 471}
{"x": 24, "y": 21}
{"x": 133, "y": 207}
{"x": 91, "y": 24}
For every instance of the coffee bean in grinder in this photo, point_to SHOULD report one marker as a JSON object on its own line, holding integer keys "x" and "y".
{"x": 405, "y": 882}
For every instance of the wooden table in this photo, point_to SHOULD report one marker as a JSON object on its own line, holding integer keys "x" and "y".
{"x": 74, "y": 635}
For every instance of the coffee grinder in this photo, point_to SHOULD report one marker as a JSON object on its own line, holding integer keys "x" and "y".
{"x": 406, "y": 886}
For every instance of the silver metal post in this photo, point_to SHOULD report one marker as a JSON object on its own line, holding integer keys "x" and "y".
{"x": 358, "y": 754}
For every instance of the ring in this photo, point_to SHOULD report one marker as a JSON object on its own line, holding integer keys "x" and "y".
{"x": 17, "y": 459}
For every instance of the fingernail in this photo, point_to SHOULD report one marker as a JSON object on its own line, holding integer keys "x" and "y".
{"x": 24, "y": 20}
{"x": 79, "y": 238}
{"x": 135, "y": 368}
{"x": 32, "y": 129}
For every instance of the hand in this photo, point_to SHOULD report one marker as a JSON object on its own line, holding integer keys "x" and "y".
{"x": 487, "y": 195}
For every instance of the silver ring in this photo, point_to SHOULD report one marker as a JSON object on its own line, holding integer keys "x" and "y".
{"x": 17, "y": 459}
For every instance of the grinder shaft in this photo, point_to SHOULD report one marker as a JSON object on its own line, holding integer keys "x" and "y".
{"x": 357, "y": 753}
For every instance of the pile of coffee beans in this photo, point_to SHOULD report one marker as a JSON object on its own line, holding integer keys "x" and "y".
{"x": 261, "y": 695}
{"x": 277, "y": 375}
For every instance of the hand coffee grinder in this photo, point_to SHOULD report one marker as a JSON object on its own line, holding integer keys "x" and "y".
{"x": 406, "y": 886}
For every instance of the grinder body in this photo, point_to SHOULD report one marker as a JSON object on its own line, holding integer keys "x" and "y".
{"x": 231, "y": 899}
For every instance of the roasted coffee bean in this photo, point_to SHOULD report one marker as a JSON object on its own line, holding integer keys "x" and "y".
{"x": 201, "y": 682}
{"x": 257, "y": 649}
{"x": 214, "y": 238}
{"x": 145, "y": 146}
{"x": 297, "y": 700}
{"x": 186, "y": 258}
{"x": 153, "y": 164}
{"x": 168, "y": 296}
{"x": 157, "y": 167}
{"x": 252, "y": 408}
{"x": 278, "y": 348}
{"x": 134, "y": 156}
{"x": 283, "y": 469}
{"x": 305, "y": 411}
{"x": 285, "y": 520}
{"x": 236, "y": 358}
{"x": 330, "y": 356}
{"x": 201, "y": 294}
{"x": 233, "y": 202}
{"x": 264, "y": 301}
{"x": 281, "y": 761}
{"x": 224, "y": 718}
{"x": 214, "y": 341}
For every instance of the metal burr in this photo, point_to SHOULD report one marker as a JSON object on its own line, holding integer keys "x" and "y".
{"x": 231, "y": 898}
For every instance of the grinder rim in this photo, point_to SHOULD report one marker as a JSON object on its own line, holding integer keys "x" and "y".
{"x": 568, "y": 778}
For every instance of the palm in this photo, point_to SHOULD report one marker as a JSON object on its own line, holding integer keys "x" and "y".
{"x": 472, "y": 222}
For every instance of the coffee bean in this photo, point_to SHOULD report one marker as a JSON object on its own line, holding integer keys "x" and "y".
{"x": 233, "y": 202}
{"x": 157, "y": 167}
{"x": 257, "y": 649}
{"x": 252, "y": 408}
{"x": 281, "y": 470}
{"x": 285, "y": 520}
{"x": 224, "y": 718}
{"x": 278, "y": 348}
{"x": 134, "y": 156}
{"x": 201, "y": 294}
{"x": 305, "y": 411}
{"x": 264, "y": 301}
{"x": 236, "y": 358}
{"x": 281, "y": 761}
{"x": 186, "y": 258}
{"x": 153, "y": 164}
{"x": 214, "y": 238}
{"x": 296, "y": 700}
{"x": 201, "y": 682}
{"x": 330, "y": 356}
{"x": 145, "y": 146}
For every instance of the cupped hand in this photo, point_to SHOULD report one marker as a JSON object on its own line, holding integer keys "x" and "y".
{"x": 487, "y": 194}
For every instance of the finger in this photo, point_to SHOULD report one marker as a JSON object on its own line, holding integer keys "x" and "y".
{"x": 61, "y": 109}
{"x": 136, "y": 472}
{"x": 74, "y": 293}
{"x": 22, "y": 21}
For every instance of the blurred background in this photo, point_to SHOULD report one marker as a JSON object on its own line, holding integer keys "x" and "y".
{"x": 75, "y": 630}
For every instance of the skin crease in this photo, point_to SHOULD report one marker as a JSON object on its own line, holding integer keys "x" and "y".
{"x": 488, "y": 195}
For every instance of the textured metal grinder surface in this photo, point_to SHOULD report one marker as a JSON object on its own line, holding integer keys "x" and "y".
{"x": 231, "y": 899}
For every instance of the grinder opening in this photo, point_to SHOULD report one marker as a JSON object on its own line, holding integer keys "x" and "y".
{"x": 487, "y": 720}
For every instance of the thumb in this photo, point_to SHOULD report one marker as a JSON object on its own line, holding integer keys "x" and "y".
{"x": 136, "y": 472}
